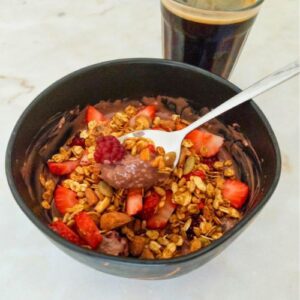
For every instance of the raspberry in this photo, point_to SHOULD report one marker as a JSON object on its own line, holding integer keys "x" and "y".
{"x": 77, "y": 141}
{"x": 108, "y": 150}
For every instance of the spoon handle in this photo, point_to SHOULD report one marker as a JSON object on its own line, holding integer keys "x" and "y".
{"x": 250, "y": 92}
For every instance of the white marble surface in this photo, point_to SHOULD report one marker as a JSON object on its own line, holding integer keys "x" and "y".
{"x": 40, "y": 41}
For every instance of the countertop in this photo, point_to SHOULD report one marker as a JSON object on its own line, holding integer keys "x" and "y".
{"x": 41, "y": 41}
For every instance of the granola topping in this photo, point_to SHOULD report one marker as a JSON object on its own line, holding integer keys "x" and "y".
{"x": 137, "y": 204}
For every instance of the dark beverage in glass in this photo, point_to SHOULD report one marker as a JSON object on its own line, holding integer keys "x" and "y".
{"x": 207, "y": 33}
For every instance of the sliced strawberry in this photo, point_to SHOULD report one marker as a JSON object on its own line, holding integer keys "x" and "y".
{"x": 198, "y": 173}
{"x": 93, "y": 114}
{"x": 88, "y": 229}
{"x": 236, "y": 192}
{"x": 160, "y": 219}
{"x": 134, "y": 202}
{"x": 151, "y": 147}
{"x": 62, "y": 168}
{"x": 148, "y": 111}
{"x": 64, "y": 199}
{"x": 150, "y": 205}
{"x": 64, "y": 231}
{"x": 205, "y": 143}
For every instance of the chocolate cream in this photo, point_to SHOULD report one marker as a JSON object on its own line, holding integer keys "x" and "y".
{"x": 63, "y": 126}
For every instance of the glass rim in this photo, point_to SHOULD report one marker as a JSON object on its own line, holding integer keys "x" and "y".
{"x": 255, "y": 5}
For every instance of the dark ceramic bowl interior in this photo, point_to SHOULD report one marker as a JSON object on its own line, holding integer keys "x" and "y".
{"x": 134, "y": 78}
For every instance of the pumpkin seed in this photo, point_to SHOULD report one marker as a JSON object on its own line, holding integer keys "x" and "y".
{"x": 189, "y": 165}
{"x": 105, "y": 189}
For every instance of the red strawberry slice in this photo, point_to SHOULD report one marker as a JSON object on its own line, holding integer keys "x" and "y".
{"x": 149, "y": 206}
{"x": 151, "y": 147}
{"x": 236, "y": 192}
{"x": 62, "y": 168}
{"x": 64, "y": 199}
{"x": 66, "y": 232}
{"x": 88, "y": 229}
{"x": 93, "y": 114}
{"x": 148, "y": 111}
{"x": 198, "y": 173}
{"x": 160, "y": 219}
{"x": 134, "y": 202}
{"x": 205, "y": 143}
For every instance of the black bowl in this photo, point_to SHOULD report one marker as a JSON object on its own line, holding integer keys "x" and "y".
{"x": 136, "y": 78}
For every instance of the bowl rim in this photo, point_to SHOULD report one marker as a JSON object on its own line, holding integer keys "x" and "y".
{"x": 130, "y": 260}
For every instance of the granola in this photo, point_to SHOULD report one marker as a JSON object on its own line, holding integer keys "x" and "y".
{"x": 127, "y": 199}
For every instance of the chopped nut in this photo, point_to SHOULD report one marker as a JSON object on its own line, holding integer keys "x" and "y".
{"x": 113, "y": 220}
{"x": 91, "y": 196}
{"x": 147, "y": 254}
{"x": 136, "y": 245}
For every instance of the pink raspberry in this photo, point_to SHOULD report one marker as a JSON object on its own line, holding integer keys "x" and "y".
{"x": 108, "y": 150}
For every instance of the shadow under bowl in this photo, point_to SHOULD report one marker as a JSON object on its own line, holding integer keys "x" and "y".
{"x": 134, "y": 78}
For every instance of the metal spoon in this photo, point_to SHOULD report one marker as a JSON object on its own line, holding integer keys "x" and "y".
{"x": 171, "y": 141}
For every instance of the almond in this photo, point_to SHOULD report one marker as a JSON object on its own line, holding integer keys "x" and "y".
{"x": 136, "y": 246}
{"x": 113, "y": 220}
{"x": 91, "y": 196}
